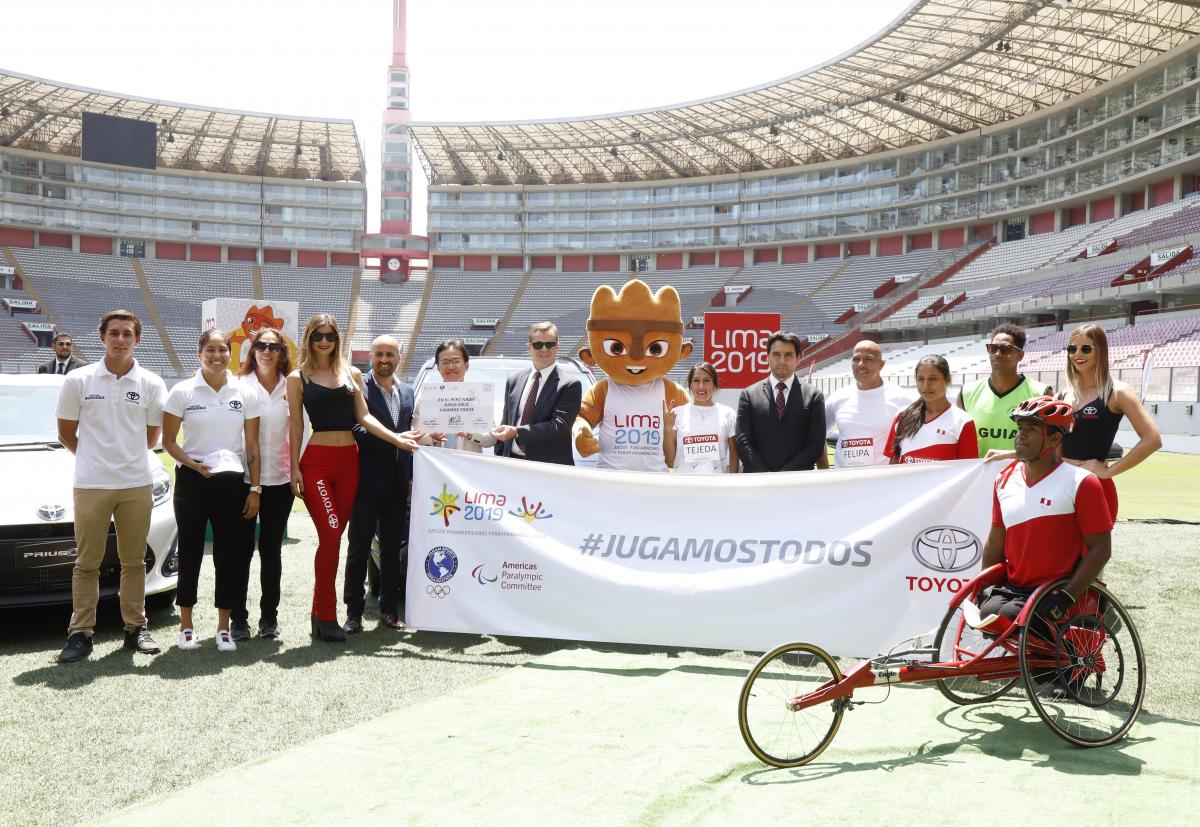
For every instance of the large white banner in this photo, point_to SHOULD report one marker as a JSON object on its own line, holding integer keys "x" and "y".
{"x": 854, "y": 560}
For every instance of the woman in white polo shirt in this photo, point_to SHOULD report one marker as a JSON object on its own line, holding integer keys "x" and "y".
{"x": 700, "y": 437}
{"x": 220, "y": 420}
{"x": 266, "y": 367}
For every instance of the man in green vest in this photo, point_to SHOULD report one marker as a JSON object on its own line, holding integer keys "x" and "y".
{"x": 991, "y": 401}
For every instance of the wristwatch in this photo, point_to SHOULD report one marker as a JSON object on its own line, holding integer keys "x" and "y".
{"x": 256, "y": 489}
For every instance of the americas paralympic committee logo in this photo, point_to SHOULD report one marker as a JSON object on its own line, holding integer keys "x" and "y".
{"x": 480, "y": 577}
{"x": 947, "y": 548}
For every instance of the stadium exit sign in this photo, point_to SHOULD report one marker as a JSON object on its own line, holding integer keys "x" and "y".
{"x": 736, "y": 345}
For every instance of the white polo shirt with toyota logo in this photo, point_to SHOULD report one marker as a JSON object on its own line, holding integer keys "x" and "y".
{"x": 113, "y": 413}
{"x": 213, "y": 420}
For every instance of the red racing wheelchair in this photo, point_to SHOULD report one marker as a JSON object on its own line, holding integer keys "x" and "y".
{"x": 1085, "y": 676}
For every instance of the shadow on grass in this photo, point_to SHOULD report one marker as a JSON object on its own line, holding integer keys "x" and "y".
{"x": 1013, "y": 733}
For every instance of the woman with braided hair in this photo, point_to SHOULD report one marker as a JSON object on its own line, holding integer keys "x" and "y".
{"x": 931, "y": 429}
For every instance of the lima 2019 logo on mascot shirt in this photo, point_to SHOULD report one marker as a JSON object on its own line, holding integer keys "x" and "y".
{"x": 635, "y": 337}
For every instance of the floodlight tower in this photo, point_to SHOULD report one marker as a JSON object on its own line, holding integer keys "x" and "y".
{"x": 394, "y": 245}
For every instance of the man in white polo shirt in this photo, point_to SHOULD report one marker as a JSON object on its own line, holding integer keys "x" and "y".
{"x": 109, "y": 413}
{"x": 863, "y": 412}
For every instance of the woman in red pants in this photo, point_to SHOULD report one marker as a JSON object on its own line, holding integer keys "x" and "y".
{"x": 326, "y": 476}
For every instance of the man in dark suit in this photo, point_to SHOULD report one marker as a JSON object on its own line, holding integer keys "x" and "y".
{"x": 64, "y": 360}
{"x": 781, "y": 421}
{"x": 384, "y": 473}
{"x": 540, "y": 405}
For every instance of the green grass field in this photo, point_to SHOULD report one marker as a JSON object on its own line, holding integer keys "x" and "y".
{"x": 583, "y": 733}
{"x": 84, "y": 741}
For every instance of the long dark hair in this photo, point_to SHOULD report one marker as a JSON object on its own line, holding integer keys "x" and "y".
{"x": 913, "y": 417}
{"x": 250, "y": 363}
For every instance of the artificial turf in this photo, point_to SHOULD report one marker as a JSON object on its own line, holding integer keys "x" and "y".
{"x": 85, "y": 740}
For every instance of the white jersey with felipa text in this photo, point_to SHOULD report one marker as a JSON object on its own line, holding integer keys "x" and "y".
{"x": 863, "y": 420}
{"x": 631, "y": 431}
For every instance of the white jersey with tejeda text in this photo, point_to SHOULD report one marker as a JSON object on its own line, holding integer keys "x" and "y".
{"x": 863, "y": 420}
{"x": 631, "y": 431}
{"x": 213, "y": 420}
{"x": 702, "y": 434}
{"x": 113, "y": 413}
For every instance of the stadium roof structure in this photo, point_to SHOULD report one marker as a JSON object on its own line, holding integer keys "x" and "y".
{"x": 943, "y": 67}
{"x": 47, "y": 116}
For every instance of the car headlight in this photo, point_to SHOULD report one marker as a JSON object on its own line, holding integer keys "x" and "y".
{"x": 161, "y": 487}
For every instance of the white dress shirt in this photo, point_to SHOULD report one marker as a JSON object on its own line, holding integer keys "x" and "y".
{"x": 274, "y": 438}
{"x": 545, "y": 374}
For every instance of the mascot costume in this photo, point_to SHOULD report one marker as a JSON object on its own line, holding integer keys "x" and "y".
{"x": 635, "y": 337}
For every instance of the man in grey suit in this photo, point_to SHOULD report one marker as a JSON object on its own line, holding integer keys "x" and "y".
{"x": 540, "y": 405}
{"x": 64, "y": 360}
{"x": 780, "y": 421}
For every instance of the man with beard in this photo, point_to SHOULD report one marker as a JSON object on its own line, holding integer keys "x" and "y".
{"x": 384, "y": 474}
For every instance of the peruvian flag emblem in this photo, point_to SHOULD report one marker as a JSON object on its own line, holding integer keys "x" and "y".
{"x": 1045, "y": 502}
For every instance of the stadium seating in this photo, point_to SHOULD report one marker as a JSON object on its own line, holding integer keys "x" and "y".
{"x": 71, "y": 286}
{"x": 18, "y": 354}
{"x": 387, "y": 309}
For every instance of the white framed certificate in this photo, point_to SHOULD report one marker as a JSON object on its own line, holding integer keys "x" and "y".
{"x": 451, "y": 407}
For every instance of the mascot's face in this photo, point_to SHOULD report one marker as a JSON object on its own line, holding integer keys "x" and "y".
{"x": 258, "y": 318}
{"x": 635, "y": 337}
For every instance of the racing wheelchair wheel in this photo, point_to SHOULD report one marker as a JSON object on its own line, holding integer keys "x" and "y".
{"x": 1085, "y": 676}
{"x": 777, "y": 734}
{"x": 957, "y": 641}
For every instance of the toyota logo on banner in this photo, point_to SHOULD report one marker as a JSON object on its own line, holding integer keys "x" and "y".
{"x": 947, "y": 548}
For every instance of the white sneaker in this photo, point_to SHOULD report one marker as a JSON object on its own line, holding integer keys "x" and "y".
{"x": 225, "y": 642}
{"x": 187, "y": 639}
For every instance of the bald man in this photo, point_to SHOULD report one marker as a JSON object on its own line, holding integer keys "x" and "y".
{"x": 381, "y": 504}
{"x": 863, "y": 411}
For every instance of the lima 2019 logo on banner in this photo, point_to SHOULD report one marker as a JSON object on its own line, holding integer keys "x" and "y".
{"x": 483, "y": 506}
{"x": 947, "y": 548}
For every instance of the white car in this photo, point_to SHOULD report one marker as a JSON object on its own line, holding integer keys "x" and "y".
{"x": 37, "y": 532}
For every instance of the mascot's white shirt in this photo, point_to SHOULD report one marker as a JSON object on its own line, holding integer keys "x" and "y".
{"x": 631, "y": 431}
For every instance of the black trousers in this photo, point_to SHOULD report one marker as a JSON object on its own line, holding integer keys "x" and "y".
{"x": 274, "y": 508}
{"x": 219, "y": 500}
{"x": 387, "y": 512}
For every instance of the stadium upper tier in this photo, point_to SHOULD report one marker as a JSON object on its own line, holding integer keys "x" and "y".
{"x": 47, "y": 116}
{"x": 943, "y": 68}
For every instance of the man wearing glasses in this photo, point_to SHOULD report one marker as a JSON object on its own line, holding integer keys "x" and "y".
{"x": 539, "y": 405}
{"x": 991, "y": 401}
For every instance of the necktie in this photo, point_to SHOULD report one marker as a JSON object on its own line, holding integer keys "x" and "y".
{"x": 62, "y": 368}
{"x": 779, "y": 386}
{"x": 527, "y": 411}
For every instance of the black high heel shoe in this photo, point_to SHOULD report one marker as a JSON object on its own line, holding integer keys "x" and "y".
{"x": 328, "y": 631}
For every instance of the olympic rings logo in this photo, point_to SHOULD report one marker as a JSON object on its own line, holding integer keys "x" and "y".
{"x": 439, "y": 591}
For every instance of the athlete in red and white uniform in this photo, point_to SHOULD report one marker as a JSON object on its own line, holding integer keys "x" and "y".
{"x": 949, "y": 435}
{"x": 1049, "y": 519}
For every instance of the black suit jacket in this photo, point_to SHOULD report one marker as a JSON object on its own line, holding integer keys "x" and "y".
{"x": 382, "y": 467}
{"x": 73, "y": 362}
{"x": 766, "y": 444}
{"x": 547, "y": 437}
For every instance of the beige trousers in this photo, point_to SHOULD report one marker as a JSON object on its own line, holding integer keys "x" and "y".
{"x": 129, "y": 509}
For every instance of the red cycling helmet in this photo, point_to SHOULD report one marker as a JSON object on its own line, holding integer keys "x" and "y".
{"x": 1047, "y": 410}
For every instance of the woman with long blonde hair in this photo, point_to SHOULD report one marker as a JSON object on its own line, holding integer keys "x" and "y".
{"x": 326, "y": 476}
{"x": 1100, "y": 403}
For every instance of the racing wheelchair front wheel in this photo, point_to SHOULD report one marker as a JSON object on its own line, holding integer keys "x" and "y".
{"x": 1085, "y": 676}
{"x": 776, "y": 733}
{"x": 957, "y": 641}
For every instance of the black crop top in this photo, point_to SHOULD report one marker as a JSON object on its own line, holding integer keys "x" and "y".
{"x": 329, "y": 409}
{"x": 1094, "y": 431}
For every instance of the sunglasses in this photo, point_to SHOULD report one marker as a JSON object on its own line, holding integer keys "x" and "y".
{"x": 1087, "y": 349}
{"x": 274, "y": 347}
{"x": 1002, "y": 348}
{"x": 543, "y": 345}
{"x": 319, "y": 336}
